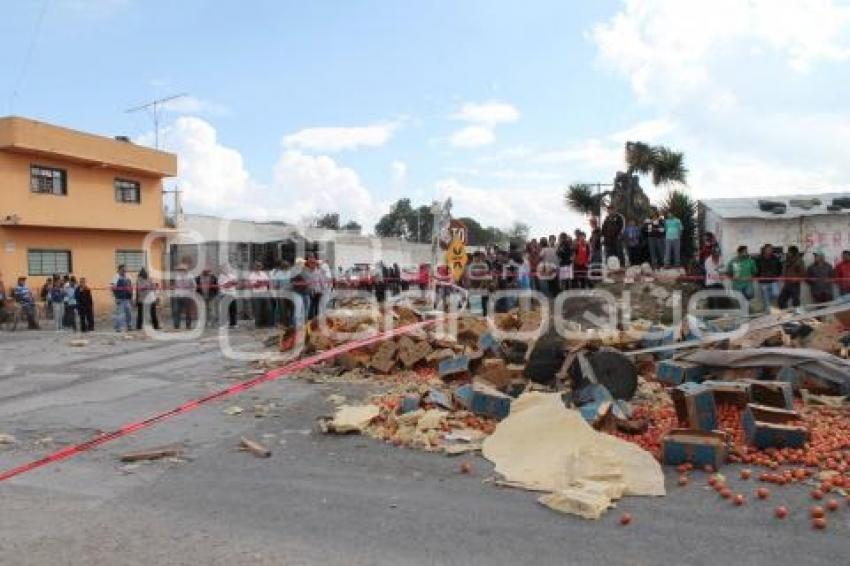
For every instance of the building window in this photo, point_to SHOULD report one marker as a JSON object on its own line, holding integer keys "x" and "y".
{"x": 132, "y": 260}
{"x": 48, "y": 180}
{"x": 128, "y": 191}
{"x": 48, "y": 262}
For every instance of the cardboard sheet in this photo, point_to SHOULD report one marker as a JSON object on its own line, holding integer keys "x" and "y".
{"x": 543, "y": 446}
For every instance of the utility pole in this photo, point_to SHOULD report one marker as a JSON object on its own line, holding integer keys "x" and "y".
{"x": 155, "y": 106}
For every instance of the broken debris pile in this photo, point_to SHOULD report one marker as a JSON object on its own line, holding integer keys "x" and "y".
{"x": 572, "y": 417}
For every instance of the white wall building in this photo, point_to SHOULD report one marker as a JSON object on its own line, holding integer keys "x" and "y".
{"x": 807, "y": 225}
{"x": 241, "y": 242}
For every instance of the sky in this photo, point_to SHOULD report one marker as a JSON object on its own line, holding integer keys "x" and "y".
{"x": 298, "y": 108}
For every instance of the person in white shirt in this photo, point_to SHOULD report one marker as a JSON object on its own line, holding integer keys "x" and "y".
{"x": 714, "y": 271}
{"x": 182, "y": 303}
{"x": 258, "y": 281}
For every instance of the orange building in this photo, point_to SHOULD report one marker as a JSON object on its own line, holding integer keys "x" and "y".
{"x": 72, "y": 202}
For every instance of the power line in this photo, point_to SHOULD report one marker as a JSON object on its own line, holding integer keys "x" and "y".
{"x": 27, "y": 57}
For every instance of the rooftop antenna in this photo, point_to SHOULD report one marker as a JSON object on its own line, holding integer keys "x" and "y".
{"x": 154, "y": 106}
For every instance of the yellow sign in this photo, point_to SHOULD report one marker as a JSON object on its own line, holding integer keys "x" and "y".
{"x": 456, "y": 258}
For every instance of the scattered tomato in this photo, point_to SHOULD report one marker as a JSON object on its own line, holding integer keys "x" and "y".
{"x": 816, "y": 512}
{"x": 781, "y": 512}
{"x": 819, "y": 523}
{"x": 739, "y": 500}
{"x": 746, "y": 473}
{"x": 763, "y": 493}
{"x": 625, "y": 518}
{"x": 817, "y": 494}
{"x": 832, "y": 505}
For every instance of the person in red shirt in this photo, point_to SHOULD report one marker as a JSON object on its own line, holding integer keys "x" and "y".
{"x": 842, "y": 273}
{"x": 581, "y": 260}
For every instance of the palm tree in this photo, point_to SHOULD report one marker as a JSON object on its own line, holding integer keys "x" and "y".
{"x": 581, "y": 198}
{"x": 663, "y": 165}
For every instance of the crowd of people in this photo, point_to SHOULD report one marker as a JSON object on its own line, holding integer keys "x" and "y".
{"x": 548, "y": 264}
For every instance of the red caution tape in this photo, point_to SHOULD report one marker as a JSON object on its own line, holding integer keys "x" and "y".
{"x": 188, "y": 406}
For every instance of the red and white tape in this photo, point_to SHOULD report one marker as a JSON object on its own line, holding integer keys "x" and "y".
{"x": 130, "y": 428}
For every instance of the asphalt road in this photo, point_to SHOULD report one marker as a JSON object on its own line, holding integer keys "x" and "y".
{"x": 318, "y": 499}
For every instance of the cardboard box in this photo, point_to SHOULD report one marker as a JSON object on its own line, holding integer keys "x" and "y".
{"x": 695, "y": 406}
{"x": 772, "y": 393}
{"x": 700, "y": 448}
{"x": 766, "y": 427}
{"x": 729, "y": 392}
{"x": 676, "y": 372}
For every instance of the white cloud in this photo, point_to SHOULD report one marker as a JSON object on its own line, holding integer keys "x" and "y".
{"x": 666, "y": 47}
{"x": 487, "y": 113}
{"x": 306, "y": 184}
{"x": 542, "y": 208}
{"x": 398, "y": 170}
{"x": 591, "y": 153}
{"x": 472, "y": 136}
{"x": 341, "y": 138}
{"x": 737, "y": 175}
{"x": 649, "y": 131}
{"x": 212, "y": 176}
{"x": 484, "y": 117}
{"x": 214, "y": 180}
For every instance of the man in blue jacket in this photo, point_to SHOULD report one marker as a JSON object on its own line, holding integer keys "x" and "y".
{"x": 122, "y": 290}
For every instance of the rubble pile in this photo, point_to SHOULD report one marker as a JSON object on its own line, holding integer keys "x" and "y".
{"x": 772, "y": 397}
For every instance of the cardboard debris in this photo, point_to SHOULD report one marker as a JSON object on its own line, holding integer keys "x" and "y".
{"x": 410, "y": 353}
{"x": 383, "y": 360}
{"x": 350, "y": 419}
{"x": 834, "y": 401}
{"x": 587, "y": 499}
{"x": 543, "y": 446}
{"x": 7, "y": 439}
{"x": 335, "y": 399}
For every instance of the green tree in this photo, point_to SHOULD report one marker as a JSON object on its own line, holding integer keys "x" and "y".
{"x": 352, "y": 226}
{"x": 404, "y": 221}
{"x": 329, "y": 221}
{"x": 584, "y": 199}
{"x": 663, "y": 165}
